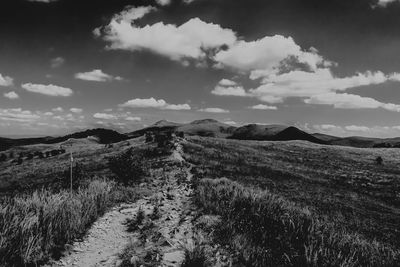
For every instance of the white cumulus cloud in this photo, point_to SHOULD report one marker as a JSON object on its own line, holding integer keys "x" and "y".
{"x": 264, "y": 107}
{"x": 50, "y": 90}
{"x": 6, "y": 80}
{"x": 104, "y": 116}
{"x": 154, "y": 103}
{"x": 189, "y": 40}
{"x": 11, "y": 95}
{"x": 133, "y": 118}
{"x": 96, "y": 75}
{"x": 214, "y": 110}
{"x": 76, "y": 110}
{"x": 18, "y": 115}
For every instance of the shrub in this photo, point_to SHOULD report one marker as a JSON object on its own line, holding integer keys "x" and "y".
{"x": 195, "y": 256}
{"x": 79, "y": 175}
{"x": 149, "y": 137}
{"x": 379, "y": 160}
{"x": 127, "y": 167}
{"x": 3, "y": 157}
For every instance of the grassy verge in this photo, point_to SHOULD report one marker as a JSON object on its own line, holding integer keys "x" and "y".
{"x": 35, "y": 227}
{"x": 268, "y": 230}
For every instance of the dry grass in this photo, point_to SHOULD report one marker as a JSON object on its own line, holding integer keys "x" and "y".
{"x": 35, "y": 227}
{"x": 268, "y": 230}
{"x": 338, "y": 184}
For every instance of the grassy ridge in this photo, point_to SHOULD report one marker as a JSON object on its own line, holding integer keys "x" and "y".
{"x": 338, "y": 184}
{"x": 270, "y": 231}
{"x": 35, "y": 227}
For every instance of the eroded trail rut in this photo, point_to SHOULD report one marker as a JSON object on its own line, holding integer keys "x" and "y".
{"x": 163, "y": 235}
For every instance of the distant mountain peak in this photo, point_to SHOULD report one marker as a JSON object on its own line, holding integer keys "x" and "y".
{"x": 163, "y": 123}
{"x": 204, "y": 121}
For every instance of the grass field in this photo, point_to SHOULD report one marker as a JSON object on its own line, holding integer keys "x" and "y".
{"x": 39, "y": 215}
{"x": 340, "y": 185}
{"x": 47, "y": 172}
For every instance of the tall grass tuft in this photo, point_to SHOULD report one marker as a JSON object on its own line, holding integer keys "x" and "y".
{"x": 270, "y": 231}
{"x": 35, "y": 227}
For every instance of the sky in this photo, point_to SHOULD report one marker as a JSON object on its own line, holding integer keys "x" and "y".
{"x": 330, "y": 66}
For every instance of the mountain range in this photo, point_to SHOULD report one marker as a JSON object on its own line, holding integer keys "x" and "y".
{"x": 212, "y": 128}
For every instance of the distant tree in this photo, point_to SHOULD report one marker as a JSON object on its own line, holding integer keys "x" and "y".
{"x": 29, "y": 156}
{"x": 3, "y": 157}
{"x": 19, "y": 161}
{"x": 40, "y": 155}
{"x": 54, "y": 152}
{"x": 21, "y": 155}
{"x": 62, "y": 151}
{"x": 48, "y": 154}
{"x": 11, "y": 155}
{"x": 379, "y": 160}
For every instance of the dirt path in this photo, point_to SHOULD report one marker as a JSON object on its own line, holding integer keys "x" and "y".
{"x": 104, "y": 241}
{"x": 162, "y": 236}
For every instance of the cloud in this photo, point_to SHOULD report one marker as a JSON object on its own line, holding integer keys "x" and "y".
{"x": 264, "y": 107}
{"x": 307, "y": 84}
{"x": 281, "y": 68}
{"x": 57, "y": 62}
{"x": 385, "y": 3}
{"x": 163, "y": 2}
{"x": 317, "y": 87}
{"x": 18, "y": 115}
{"x": 133, "y": 119}
{"x": 76, "y": 110}
{"x": 266, "y": 55}
{"x": 11, "y": 95}
{"x": 104, "y": 116}
{"x": 189, "y": 40}
{"x": 228, "y": 88}
{"x": 214, "y": 110}
{"x": 154, "y": 103}
{"x": 6, "y": 80}
{"x": 350, "y": 101}
{"x": 58, "y": 109}
{"x": 96, "y": 76}
{"x": 50, "y": 90}
{"x": 226, "y": 82}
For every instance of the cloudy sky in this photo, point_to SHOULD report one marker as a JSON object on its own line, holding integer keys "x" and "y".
{"x": 331, "y": 66}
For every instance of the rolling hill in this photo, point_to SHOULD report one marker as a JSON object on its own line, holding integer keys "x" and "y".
{"x": 213, "y": 128}
{"x": 206, "y": 128}
{"x": 104, "y": 136}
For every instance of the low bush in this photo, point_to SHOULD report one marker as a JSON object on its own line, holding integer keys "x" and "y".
{"x": 128, "y": 167}
{"x": 270, "y": 231}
